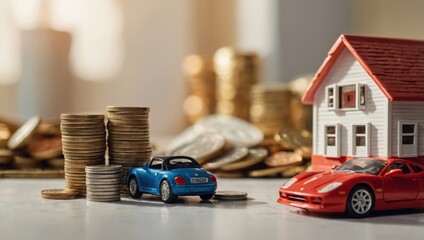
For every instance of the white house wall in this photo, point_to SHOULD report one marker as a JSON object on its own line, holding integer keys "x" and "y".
{"x": 347, "y": 71}
{"x": 407, "y": 111}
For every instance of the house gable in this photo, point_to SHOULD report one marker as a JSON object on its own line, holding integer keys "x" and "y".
{"x": 347, "y": 71}
{"x": 395, "y": 65}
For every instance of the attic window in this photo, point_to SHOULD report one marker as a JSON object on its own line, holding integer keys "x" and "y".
{"x": 346, "y": 97}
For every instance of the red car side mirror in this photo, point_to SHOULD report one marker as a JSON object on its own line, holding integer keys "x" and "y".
{"x": 334, "y": 166}
{"x": 394, "y": 172}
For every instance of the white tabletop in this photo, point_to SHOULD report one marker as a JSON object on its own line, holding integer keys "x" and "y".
{"x": 25, "y": 215}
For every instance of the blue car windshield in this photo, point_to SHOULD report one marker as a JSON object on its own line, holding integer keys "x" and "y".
{"x": 363, "y": 165}
{"x": 176, "y": 163}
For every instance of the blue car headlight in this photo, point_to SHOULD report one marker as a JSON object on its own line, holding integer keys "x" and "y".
{"x": 330, "y": 187}
{"x": 289, "y": 182}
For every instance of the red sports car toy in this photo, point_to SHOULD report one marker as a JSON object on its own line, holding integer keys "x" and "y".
{"x": 358, "y": 187}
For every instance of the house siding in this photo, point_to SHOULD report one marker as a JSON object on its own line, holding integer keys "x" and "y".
{"x": 407, "y": 111}
{"x": 347, "y": 71}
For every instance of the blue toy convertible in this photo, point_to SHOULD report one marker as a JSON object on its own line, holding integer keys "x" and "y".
{"x": 171, "y": 177}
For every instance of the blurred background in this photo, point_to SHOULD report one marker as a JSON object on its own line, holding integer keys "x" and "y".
{"x": 60, "y": 56}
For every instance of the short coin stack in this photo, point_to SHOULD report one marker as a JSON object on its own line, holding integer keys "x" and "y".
{"x": 103, "y": 183}
{"x": 236, "y": 73}
{"x": 83, "y": 144}
{"x": 128, "y": 137}
{"x": 270, "y": 109}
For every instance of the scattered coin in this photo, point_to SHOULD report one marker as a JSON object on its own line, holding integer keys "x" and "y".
{"x": 230, "y": 195}
{"x": 234, "y": 154}
{"x": 24, "y": 133}
{"x": 283, "y": 159}
{"x": 46, "y": 148}
{"x": 267, "y": 172}
{"x": 59, "y": 194}
{"x": 203, "y": 148}
{"x": 255, "y": 156}
{"x": 235, "y": 130}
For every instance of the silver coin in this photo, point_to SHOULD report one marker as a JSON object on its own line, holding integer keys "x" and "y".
{"x": 203, "y": 148}
{"x": 185, "y": 137}
{"x": 234, "y": 154}
{"x": 21, "y": 136}
{"x": 235, "y": 130}
{"x": 230, "y": 195}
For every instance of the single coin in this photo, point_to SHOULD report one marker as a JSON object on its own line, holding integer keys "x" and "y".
{"x": 185, "y": 137}
{"x": 127, "y": 109}
{"x": 230, "y": 195}
{"x": 269, "y": 171}
{"x": 6, "y": 156}
{"x": 283, "y": 159}
{"x": 45, "y": 148}
{"x": 234, "y": 154}
{"x": 291, "y": 172}
{"x": 203, "y": 148}
{"x": 255, "y": 156}
{"x": 81, "y": 116}
{"x": 59, "y": 194}
{"x": 235, "y": 130}
{"x": 292, "y": 138}
{"x": 21, "y": 136}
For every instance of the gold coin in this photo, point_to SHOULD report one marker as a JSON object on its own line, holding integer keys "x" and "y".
{"x": 59, "y": 194}
{"x": 283, "y": 159}
{"x": 45, "y": 148}
{"x": 269, "y": 171}
{"x": 79, "y": 117}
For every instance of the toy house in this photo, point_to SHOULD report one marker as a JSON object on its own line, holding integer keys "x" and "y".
{"x": 368, "y": 101}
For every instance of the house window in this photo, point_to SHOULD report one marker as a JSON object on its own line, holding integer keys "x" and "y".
{"x": 331, "y": 97}
{"x": 332, "y": 140}
{"x": 331, "y": 135}
{"x": 407, "y": 139}
{"x": 361, "y": 145}
{"x": 360, "y": 135}
{"x": 347, "y": 97}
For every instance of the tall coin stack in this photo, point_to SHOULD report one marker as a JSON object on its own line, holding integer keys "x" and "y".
{"x": 103, "y": 183}
{"x": 83, "y": 144}
{"x": 201, "y": 85}
{"x": 236, "y": 74}
{"x": 128, "y": 137}
{"x": 270, "y": 108}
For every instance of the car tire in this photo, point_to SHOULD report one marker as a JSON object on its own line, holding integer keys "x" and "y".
{"x": 206, "y": 196}
{"x": 133, "y": 188}
{"x": 360, "y": 202}
{"x": 166, "y": 192}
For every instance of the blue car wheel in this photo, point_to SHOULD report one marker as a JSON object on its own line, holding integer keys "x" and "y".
{"x": 133, "y": 188}
{"x": 166, "y": 192}
{"x": 206, "y": 196}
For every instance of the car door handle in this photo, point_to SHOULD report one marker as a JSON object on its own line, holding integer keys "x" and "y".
{"x": 156, "y": 174}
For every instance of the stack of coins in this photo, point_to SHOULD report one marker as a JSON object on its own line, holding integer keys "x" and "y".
{"x": 301, "y": 114}
{"x": 236, "y": 74}
{"x": 201, "y": 85}
{"x": 128, "y": 137}
{"x": 83, "y": 144}
{"x": 103, "y": 183}
{"x": 270, "y": 109}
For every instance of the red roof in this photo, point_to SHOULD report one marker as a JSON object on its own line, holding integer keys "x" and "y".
{"x": 396, "y": 65}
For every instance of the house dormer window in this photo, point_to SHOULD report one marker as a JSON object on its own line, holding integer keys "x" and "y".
{"x": 346, "y": 97}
